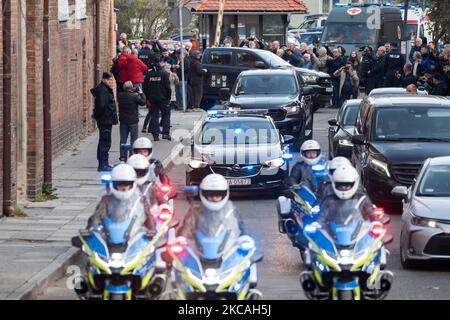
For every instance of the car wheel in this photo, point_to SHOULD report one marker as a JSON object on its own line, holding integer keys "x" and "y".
{"x": 406, "y": 263}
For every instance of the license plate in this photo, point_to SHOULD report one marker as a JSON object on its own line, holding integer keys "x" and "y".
{"x": 329, "y": 89}
{"x": 239, "y": 182}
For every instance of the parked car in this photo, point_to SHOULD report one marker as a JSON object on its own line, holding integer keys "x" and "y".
{"x": 393, "y": 137}
{"x": 225, "y": 64}
{"x": 243, "y": 146}
{"x": 322, "y": 85}
{"x": 287, "y": 98}
{"x": 425, "y": 232}
{"x": 341, "y": 130}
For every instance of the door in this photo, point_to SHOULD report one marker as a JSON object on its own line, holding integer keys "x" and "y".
{"x": 221, "y": 72}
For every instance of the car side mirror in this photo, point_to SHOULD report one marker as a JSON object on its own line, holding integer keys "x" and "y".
{"x": 257, "y": 257}
{"x": 333, "y": 122}
{"x": 76, "y": 242}
{"x": 224, "y": 93}
{"x": 387, "y": 239}
{"x": 400, "y": 191}
{"x": 260, "y": 65}
{"x": 359, "y": 139}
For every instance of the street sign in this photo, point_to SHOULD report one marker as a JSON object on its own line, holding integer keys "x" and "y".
{"x": 175, "y": 16}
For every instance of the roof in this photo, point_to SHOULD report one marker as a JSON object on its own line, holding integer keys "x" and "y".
{"x": 411, "y": 100}
{"x": 252, "y": 6}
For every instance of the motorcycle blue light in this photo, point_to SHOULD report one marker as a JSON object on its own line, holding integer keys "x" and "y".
{"x": 249, "y": 167}
{"x": 238, "y": 131}
{"x": 287, "y": 156}
{"x": 106, "y": 178}
{"x": 126, "y": 146}
{"x": 318, "y": 167}
{"x": 212, "y": 112}
{"x": 310, "y": 229}
{"x": 315, "y": 210}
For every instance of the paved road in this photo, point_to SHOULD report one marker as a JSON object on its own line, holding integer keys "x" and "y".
{"x": 279, "y": 271}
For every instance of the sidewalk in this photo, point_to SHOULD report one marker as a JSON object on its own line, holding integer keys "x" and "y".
{"x": 36, "y": 249}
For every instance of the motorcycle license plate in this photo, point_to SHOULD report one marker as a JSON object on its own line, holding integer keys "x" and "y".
{"x": 239, "y": 182}
{"x": 329, "y": 89}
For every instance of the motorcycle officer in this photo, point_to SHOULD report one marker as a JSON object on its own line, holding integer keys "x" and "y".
{"x": 216, "y": 208}
{"x": 325, "y": 187}
{"x": 345, "y": 183}
{"x": 302, "y": 171}
{"x": 122, "y": 200}
{"x": 144, "y": 147}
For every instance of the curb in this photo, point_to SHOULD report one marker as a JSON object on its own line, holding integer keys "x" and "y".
{"x": 36, "y": 285}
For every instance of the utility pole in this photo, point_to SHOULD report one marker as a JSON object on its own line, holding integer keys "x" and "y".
{"x": 219, "y": 22}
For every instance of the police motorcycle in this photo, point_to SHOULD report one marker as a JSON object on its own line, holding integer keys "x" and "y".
{"x": 122, "y": 258}
{"x": 346, "y": 255}
{"x": 217, "y": 264}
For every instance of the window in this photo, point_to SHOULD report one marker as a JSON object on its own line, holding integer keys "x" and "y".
{"x": 63, "y": 10}
{"x": 80, "y": 9}
{"x": 219, "y": 57}
{"x": 349, "y": 33}
{"x": 273, "y": 28}
{"x": 246, "y": 59}
{"x": 436, "y": 182}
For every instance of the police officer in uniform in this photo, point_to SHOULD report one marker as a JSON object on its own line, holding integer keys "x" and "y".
{"x": 158, "y": 93}
{"x": 393, "y": 67}
{"x": 145, "y": 53}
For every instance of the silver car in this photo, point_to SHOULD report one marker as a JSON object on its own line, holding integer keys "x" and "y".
{"x": 425, "y": 232}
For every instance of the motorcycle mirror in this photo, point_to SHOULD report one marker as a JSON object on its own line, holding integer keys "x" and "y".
{"x": 388, "y": 239}
{"x": 257, "y": 257}
{"x": 76, "y": 242}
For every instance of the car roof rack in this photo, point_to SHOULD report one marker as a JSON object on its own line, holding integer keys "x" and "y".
{"x": 236, "y": 112}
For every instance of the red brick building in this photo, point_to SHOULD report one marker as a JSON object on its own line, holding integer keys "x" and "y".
{"x": 43, "y": 111}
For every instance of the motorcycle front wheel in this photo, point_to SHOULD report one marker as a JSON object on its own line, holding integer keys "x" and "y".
{"x": 345, "y": 295}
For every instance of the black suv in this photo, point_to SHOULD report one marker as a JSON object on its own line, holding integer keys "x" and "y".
{"x": 288, "y": 100}
{"x": 394, "y": 135}
{"x": 225, "y": 64}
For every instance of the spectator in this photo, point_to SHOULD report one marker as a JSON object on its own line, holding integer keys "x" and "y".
{"x": 446, "y": 70}
{"x": 129, "y": 101}
{"x": 105, "y": 114}
{"x": 427, "y": 61}
{"x": 303, "y": 48}
{"x": 376, "y": 75}
{"x": 166, "y": 58}
{"x": 393, "y": 67}
{"x": 122, "y": 63}
{"x": 275, "y": 46}
{"x": 412, "y": 88}
{"x": 387, "y": 46}
{"x": 308, "y": 62}
{"x": 320, "y": 63}
{"x": 355, "y": 60}
{"x": 342, "y": 51}
{"x": 281, "y": 53}
{"x": 136, "y": 69}
{"x": 179, "y": 87}
{"x": 348, "y": 82}
{"x": 173, "y": 78}
{"x": 439, "y": 87}
{"x": 367, "y": 63}
{"x": 145, "y": 52}
{"x": 334, "y": 64}
{"x": 194, "y": 39}
{"x": 157, "y": 89}
{"x": 195, "y": 75}
{"x": 416, "y": 48}
{"x": 123, "y": 41}
{"x": 188, "y": 47}
{"x": 408, "y": 77}
{"x": 417, "y": 64}
{"x": 294, "y": 56}
{"x": 228, "y": 42}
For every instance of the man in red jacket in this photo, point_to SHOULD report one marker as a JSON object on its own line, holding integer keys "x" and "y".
{"x": 136, "y": 69}
{"x": 123, "y": 69}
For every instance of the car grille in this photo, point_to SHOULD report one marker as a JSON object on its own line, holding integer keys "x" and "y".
{"x": 324, "y": 81}
{"x": 235, "y": 171}
{"x": 405, "y": 173}
{"x": 277, "y": 114}
{"x": 439, "y": 245}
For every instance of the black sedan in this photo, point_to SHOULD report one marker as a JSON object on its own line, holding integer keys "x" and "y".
{"x": 342, "y": 129}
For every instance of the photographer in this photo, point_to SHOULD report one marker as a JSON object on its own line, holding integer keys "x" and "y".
{"x": 294, "y": 56}
{"x": 259, "y": 44}
{"x": 129, "y": 101}
{"x": 348, "y": 82}
{"x": 320, "y": 62}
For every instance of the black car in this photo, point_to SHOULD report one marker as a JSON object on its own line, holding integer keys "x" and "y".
{"x": 225, "y": 64}
{"x": 341, "y": 130}
{"x": 280, "y": 91}
{"x": 243, "y": 146}
{"x": 394, "y": 135}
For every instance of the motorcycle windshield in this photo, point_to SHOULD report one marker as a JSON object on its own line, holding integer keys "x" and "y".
{"x": 232, "y": 260}
{"x": 117, "y": 229}
{"x": 211, "y": 245}
{"x": 136, "y": 245}
{"x": 344, "y": 224}
{"x": 343, "y": 234}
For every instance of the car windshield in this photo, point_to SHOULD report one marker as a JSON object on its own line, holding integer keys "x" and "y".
{"x": 418, "y": 123}
{"x": 239, "y": 132}
{"x": 278, "y": 84}
{"x": 435, "y": 182}
{"x": 350, "y": 115}
{"x": 273, "y": 59}
{"x": 348, "y": 33}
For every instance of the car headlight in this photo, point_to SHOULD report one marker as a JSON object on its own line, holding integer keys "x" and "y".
{"x": 422, "y": 222}
{"x": 197, "y": 164}
{"x": 345, "y": 142}
{"x": 379, "y": 166}
{"x": 310, "y": 78}
{"x": 293, "y": 109}
{"x": 274, "y": 163}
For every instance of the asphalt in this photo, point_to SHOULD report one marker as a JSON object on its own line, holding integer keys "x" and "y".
{"x": 281, "y": 266}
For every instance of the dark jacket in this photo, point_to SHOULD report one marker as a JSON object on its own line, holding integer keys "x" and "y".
{"x": 105, "y": 112}
{"x": 145, "y": 54}
{"x": 157, "y": 86}
{"x": 334, "y": 65}
{"x": 440, "y": 89}
{"x": 393, "y": 63}
{"x": 409, "y": 79}
{"x": 376, "y": 76}
{"x": 296, "y": 59}
{"x": 196, "y": 72}
{"x": 129, "y": 103}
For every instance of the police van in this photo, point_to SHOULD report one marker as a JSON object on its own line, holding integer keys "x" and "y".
{"x": 357, "y": 26}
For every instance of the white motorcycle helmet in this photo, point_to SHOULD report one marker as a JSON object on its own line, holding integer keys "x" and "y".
{"x": 310, "y": 147}
{"x": 338, "y": 162}
{"x": 141, "y": 165}
{"x": 214, "y": 192}
{"x": 123, "y": 182}
{"x": 345, "y": 182}
{"x": 141, "y": 144}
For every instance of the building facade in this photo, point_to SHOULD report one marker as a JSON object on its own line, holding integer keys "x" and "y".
{"x": 53, "y": 54}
